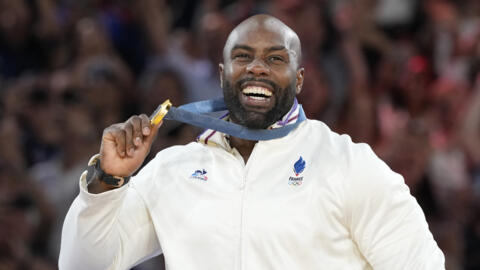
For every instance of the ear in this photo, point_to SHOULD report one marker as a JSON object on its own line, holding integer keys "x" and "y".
{"x": 220, "y": 72}
{"x": 299, "y": 85}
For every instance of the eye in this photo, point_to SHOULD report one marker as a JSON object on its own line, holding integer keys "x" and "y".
{"x": 276, "y": 59}
{"x": 241, "y": 56}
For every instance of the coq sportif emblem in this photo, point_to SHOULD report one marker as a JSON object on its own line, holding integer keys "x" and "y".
{"x": 200, "y": 175}
{"x": 298, "y": 168}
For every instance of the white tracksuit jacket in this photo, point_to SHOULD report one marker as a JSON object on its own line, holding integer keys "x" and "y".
{"x": 310, "y": 200}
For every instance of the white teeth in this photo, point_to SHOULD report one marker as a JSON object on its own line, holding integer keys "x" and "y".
{"x": 257, "y": 90}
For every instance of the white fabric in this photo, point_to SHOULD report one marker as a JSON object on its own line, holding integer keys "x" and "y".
{"x": 350, "y": 211}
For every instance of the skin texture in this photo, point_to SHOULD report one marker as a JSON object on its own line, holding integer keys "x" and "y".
{"x": 261, "y": 52}
{"x": 124, "y": 148}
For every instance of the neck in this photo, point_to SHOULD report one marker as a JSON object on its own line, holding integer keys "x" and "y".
{"x": 244, "y": 147}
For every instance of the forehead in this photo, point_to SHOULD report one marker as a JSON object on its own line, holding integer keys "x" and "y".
{"x": 260, "y": 35}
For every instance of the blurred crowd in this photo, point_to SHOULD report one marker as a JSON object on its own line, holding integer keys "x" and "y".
{"x": 403, "y": 76}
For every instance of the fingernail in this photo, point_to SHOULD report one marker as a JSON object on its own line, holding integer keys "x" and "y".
{"x": 146, "y": 130}
{"x": 138, "y": 141}
{"x": 122, "y": 153}
{"x": 130, "y": 151}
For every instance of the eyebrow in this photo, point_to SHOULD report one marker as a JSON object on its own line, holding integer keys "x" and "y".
{"x": 248, "y": 48}
{"x": 244, "y": 47}
{"x": 276, "y": 48}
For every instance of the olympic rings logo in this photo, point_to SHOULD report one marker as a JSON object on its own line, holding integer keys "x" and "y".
{"x": 295, "y": 183}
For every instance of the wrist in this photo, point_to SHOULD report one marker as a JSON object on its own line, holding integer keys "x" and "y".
{"x": 97, "y": 186}
{"x": 97, "y": 177}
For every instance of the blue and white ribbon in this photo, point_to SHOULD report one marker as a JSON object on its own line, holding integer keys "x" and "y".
{"x": 196, "y": 114}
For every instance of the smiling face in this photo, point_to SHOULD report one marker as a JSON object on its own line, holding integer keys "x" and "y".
{"x": 260, "y": 74}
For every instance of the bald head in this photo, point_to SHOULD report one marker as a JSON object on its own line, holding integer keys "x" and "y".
{"x": 259, "y": 25}
{"x": 260, "y": 74}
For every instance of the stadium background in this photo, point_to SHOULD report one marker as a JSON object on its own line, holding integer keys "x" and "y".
{"x": 402, "y": 76}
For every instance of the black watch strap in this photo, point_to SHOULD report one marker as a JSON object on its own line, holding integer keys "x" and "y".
{"x": 95, "y": 171}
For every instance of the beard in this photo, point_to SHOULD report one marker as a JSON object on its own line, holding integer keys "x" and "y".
{"x": 256, "y": 120}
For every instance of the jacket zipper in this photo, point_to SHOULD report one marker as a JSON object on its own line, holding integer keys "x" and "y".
{"x": 238, "y": 158}
{"x": 242, "y": 209}
{"x": 242, "y": 217}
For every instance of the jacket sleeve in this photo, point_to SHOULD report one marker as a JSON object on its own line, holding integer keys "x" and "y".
{"x": 385, "y": 221}
{"x": 110, "y": 230}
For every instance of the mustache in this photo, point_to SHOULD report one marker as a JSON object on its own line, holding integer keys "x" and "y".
{"x": 251, "y": 79}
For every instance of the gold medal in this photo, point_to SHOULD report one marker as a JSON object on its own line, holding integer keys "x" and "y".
{"x": 160, "y": 112}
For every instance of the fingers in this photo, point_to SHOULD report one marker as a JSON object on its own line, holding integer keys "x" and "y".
{"x": 114, "y": 138}
{"x": 145, "y": 124}
{"x": 152, "y": 133}
{"x": 136, "y": 124}
{"x": 142, "y": 129}
{"x": 129, "y": 145}
{"x": 134, "y": 133}
{"x": 119, "y": 136}
{"x": 135, "y": 129}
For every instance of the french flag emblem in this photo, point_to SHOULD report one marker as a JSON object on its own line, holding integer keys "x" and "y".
{"x": 299, "y": 166}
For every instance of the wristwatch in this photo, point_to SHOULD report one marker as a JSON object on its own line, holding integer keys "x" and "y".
{"x": 95, "y": 171}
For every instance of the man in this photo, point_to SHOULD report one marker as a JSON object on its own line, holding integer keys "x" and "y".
{"x": 311, "y": 199}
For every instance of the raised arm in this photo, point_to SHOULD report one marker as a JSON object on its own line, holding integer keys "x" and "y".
{"x": 123, "y": 149}
{"x": 109, "y": 227}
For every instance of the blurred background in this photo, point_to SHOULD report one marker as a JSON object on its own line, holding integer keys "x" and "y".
{"x": 403, "y": 76}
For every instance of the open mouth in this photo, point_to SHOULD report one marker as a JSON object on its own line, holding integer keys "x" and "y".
{"x": 257, "y": 92}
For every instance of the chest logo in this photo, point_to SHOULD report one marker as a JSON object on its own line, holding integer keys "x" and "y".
{"x": 200, "y": 175}
{"x": 298, "y": 168}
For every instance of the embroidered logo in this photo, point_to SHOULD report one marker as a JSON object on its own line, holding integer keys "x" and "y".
{"x": 200, "y": 175}
{"x": 298, "y": 168}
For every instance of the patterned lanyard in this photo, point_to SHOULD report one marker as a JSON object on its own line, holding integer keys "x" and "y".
{"x": 195, "y": 114}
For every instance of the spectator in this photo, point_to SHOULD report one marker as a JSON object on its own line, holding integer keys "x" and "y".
{"x": 391, "y": 74}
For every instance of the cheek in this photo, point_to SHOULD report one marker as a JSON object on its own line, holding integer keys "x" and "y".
{"x": 235, "y": 72}
{"x": 286, "y": 79}
{"x": 229, "y": 67}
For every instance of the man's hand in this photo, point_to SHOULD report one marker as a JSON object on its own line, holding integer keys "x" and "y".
{"x": 125, "y": 145}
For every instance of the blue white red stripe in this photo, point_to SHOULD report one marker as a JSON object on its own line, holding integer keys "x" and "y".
{"x": 289, "y": 117}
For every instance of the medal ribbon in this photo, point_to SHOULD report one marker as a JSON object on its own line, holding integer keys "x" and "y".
{"x": 196, "y": 114}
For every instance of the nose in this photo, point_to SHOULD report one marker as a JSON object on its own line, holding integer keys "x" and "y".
{"x": 258, "y": 68}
